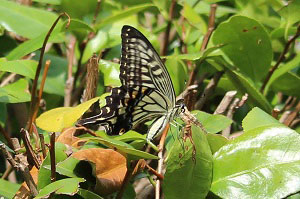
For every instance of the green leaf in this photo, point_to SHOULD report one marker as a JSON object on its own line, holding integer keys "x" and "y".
{"x": 124, "y": 149}
{"x": 15, "y": 93}
{"x": 26, "y": 68}
{"x": 291, "y": 14}
{"x": 59, "y": 118}
{"x": 44, "y": 177}
{"x": 111, "y": 72}
{"x": 25, "y": 21}
{"x": 34, "y": 44}
{"x": 264, "y": 156}
{"x": 8, "y": 189}
{"x": 247, "y": 44}
{"x": 209, "y": 121}
{"x": 88, "y": 194}
{"x": 68, "y": 186}
{"x": 76, "y": 24}
{"x": 242, "y": 84}
{"x": 99, "y": 42}
{"x": 67, "y": 167}
{"x": 282, "y": 70}
{"x": 185, "y": 176}
{"x": 288, "y": 83}
{"x": 257, "y": 118}
{"x": 122, "y": 14}
{"x": 216, "y": 141}
{"x": 77, "y": 8}
{"x": 178, "y": 72}
{"x": 193, "y": 18}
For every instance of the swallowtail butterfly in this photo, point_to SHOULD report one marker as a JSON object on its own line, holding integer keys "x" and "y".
{"x": 146, "y": 92}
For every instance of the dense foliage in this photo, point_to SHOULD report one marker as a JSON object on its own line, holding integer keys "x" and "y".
{"x": 244, "y": 52}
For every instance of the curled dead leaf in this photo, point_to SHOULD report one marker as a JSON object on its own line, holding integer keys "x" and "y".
{"x": 109, "y": 168}
{"x": 68, "y": 137}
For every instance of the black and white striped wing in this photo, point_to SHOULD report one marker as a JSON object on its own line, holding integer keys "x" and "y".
{"x": 146, "y": 93}
{"x": 142, "y": 66}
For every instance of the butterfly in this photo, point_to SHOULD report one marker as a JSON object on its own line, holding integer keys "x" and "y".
{"x": 146, "y": 91}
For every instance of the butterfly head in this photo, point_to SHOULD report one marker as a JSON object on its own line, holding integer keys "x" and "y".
{"x": 180, "y": 107}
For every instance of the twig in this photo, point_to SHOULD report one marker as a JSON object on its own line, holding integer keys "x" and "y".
{"x": 23, "y": 168}
{"x": 91, "y": 78}
{"x": 8, "y": 79}
{"x": 289, "y": 103}
{"x": 231, "y": 110}
{"x": 161, "y": 160}
{"x": 37, "y": 104}
{"x": 293, "y": 115}
{"x": 275, "y": 113}
{"x": 164, "y": 47}
{"x": 224, "y": 104}
{"x": 280, "y": 59}
{"x": 8, "y": 171}
{"x": 209, "y": 90}
{"x": 284, "y": 116}
{"x": 211, "y": 26}
{"x": 96, "y": 11}
{"x": 7, "y": 137}
{"x": 69, "y": 82}
{"x": 43, "y": 146}
{"x": 32, "y": 158}
{"x": 38, "y": 70}
{"x": 52, "y": 157}
{"x": 186, "y": 92}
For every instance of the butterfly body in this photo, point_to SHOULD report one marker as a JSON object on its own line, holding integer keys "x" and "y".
{"x": 146, "y": 93}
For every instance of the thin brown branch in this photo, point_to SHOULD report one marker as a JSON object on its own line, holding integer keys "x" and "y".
{"x": 52, "y": 157}
{"x": 32, "y": 158}
{"x": 70, "y": 79}
{"x": 21, "y": 166}
{"x": 8, "y": 79}
{"x": 7, "y": 137}
{"x": 230, "y": 113}
{"x": 211, "y": 26}
{"x": 161, "y": 160}
{"x": 96, "y": 11}
{"x": 186, "y": 92}
{"x": 91, "y": 78}
{"x": 38, "y": 70}
{"x": 163, "y": 50}
{"x": 293, "y": 115}
{"x": 7, "y": 172}
{"x": 208, "y": 91}
{"x": 281, "y": 58}
{"x": 43, "y": 146}
{"x": 275, "y": 113}
{"x": 37, "y": 104}
{"x": 224, "y": 104}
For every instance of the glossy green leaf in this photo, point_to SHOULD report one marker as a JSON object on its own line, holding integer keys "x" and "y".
{"x": 15, "y": 92}
{"x": 44, "y": 177}
{"x": 67, "y": 167}
{"x": 282, "y": 70}
{"x": 264, "y": 156}
{"x": 122, "y": 14}
{"x": 178, "y": 73}
{"x": 28, "y": 22}
{"x": 194, "y": 18}
{"x": 209, "y": 121}
{"x": 59, "y": 118}
{"x": 51, "y": 2}
{"x": 34, "y": 44}
{"x": 124, "y": 149}
{"x": 3, "y": 115}
{"x": 96, "y": 44}
{"x": 188, "y": 173}
{"x": 257, "y": 118}
{"x": 216, "y": 141}
{"x": 247, "y": 44}
{"x": 8, "y": 189}
{"x": 68, "y": 186}
{"x": 88, "y": 194}
{"x": 290, "y": 13}
{"x": 77, "y": 8}
{"x": 242, "y": 84}
{"x": 26, "y": 68}
{"x": 76, "y": 24}
{"x": 288, "y": 84}
{"x": 111, "y": 73}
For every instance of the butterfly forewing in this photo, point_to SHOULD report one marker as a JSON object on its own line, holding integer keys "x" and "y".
{"x": 146, "y": 93}
{"x": 142, "y": 66}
